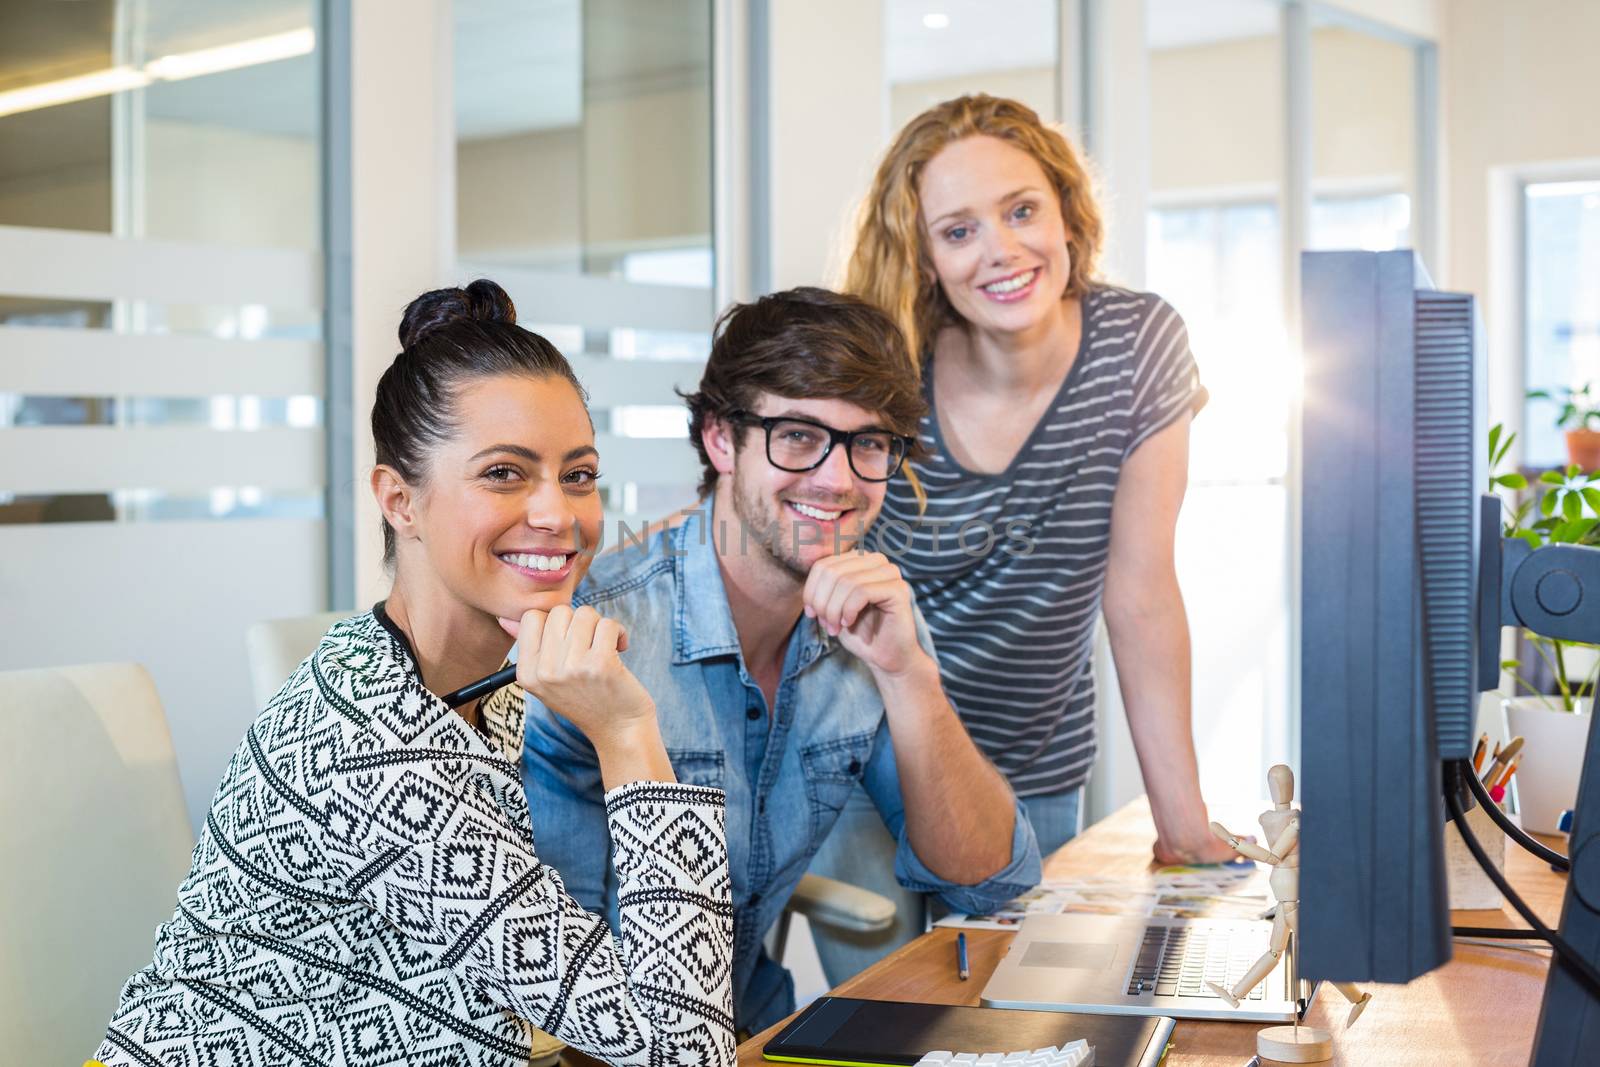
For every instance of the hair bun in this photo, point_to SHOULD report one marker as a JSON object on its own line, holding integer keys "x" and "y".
{"x": 482, "y": 301}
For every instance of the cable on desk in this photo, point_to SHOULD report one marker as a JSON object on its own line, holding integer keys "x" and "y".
{"x": 1496, "y": 932}
{"x": 1564, "y": 951}
{"x": 1511, "y": 829}
{"x": 1541, "y": 949}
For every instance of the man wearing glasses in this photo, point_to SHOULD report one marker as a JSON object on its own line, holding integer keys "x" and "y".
{"x": 787, "y": 666}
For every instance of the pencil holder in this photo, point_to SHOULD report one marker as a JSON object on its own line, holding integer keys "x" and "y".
{"x": 1469, "y": 886}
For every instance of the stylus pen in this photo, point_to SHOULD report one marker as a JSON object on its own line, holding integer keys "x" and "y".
{"x": 961, "y": 957}
{"x": 482, "y": 687}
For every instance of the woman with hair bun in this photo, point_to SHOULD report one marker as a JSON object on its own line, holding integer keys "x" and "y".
{"x": 366, "y": 887}
{"x": 1057, "y": 439}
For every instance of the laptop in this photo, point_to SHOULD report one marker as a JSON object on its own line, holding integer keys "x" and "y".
{"x": 1140, "y": 965}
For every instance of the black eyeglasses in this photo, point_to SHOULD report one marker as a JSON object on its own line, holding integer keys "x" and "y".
{"x": 799, "y": 445}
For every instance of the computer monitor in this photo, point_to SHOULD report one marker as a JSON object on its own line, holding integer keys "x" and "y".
{"x": 1393, "y": 448}
{"x": 1405, "y": 584}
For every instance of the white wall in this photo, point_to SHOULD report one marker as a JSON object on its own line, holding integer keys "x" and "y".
{"x": 827, "y": 121}
{"x": 1520, "y": 86}
{"x": 402, "y": 210}
{"x": 1034, "y": 86}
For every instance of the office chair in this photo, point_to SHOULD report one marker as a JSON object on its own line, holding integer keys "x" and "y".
{"x": 96, "y": 839}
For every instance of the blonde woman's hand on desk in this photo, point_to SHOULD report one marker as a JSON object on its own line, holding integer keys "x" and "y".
{"x": 1209, "y": 850}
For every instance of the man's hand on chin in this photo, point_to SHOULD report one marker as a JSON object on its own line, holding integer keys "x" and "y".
{"x": 860, "y": 598}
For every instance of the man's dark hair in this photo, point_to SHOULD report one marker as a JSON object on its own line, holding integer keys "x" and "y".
{"x": 806, "y": 344}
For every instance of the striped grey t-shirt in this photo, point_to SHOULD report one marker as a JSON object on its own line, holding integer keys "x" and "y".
{"x": 1009, "y": 567}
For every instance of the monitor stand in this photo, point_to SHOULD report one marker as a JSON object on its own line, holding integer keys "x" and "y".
{"x": 1569, "y": 1016}
{"x": 1553, "y": 590}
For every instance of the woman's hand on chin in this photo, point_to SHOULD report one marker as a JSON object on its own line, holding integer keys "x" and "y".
{"x": 568, "y": 659}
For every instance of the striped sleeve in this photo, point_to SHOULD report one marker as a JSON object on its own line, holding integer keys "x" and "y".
{"x": 1166, "y": 379}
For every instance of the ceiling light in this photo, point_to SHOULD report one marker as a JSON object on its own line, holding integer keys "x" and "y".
{"x": 175, "y": 67}
{"x": 936, "y": 20}
{"x": 66, "y": 90}
{"x": 233, "y": 56}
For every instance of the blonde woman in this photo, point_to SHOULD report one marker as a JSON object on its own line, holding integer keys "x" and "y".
{"x": 1057, "y": 439}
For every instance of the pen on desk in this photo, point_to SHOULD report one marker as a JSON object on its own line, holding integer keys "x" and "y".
{"x": 961, "y": 957}
{"x": 1477, "y": 753}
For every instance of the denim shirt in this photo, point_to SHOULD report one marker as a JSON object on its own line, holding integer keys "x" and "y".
{"x": 787, "y": 775}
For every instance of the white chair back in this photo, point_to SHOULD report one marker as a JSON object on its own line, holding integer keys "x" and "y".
{"x": 96, "y": 840}
{"x": 277, "y": 646}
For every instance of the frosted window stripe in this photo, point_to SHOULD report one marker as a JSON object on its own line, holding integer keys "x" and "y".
{"x": 91, "y": 459}
{"x": 599, "y": 303}
{"x": 647, "y": 460}
{"x": 71, "y": 265}
{"x": 620, "y": 382}
{"x": 45, "y": 361}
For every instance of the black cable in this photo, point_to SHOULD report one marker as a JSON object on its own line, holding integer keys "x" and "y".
{"x": 1509, "y": 828}
{"x": 1564, "y": 951}
{"x": 1497, "y": 932}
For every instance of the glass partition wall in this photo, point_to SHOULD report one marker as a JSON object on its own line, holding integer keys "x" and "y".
{"x": 583, "y": 185}
{"x": 1275, "y": 127}
{"x": 161, "y": 344}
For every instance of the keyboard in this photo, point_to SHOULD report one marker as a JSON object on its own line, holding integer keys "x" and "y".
{"x": 1178, "y": 961}
{"x": 1072, "y": 1054}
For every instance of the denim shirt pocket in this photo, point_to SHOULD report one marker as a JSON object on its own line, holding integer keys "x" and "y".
{"x": 833, "y": 769}
{"x": 697, "y": 766}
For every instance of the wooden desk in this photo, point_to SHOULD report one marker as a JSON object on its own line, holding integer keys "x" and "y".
{"x": 1479, "y": 1009}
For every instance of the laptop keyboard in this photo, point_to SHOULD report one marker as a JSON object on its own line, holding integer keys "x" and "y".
{"x": 1179, "y": 960}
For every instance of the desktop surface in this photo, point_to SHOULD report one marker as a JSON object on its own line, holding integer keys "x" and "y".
{"x": 1479, "y": 1009}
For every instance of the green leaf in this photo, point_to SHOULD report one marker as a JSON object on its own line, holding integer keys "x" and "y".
{"x": 1552, "y": 478}
{"x": 1572, "y": 531}
{"x": 1510, "y": 664}
{"x": 1505, "y": 446}
{"x": 1569, "y": 411}
{"x": 1538, "y": 394}
{"x": 1591, "y": 497}
{"x": 1572, "y": 471}
{"x": 1494, "y": 440}
{"x": 1547, "y": 505}
{"x": 1571, "y": 506}
{"x": 1531, "y": 538}
{"x": 1515, "y": 481}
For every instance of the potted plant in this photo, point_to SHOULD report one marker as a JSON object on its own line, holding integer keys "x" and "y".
{"x": 1580, "y": 408}
{"x": 1554, "y": 725}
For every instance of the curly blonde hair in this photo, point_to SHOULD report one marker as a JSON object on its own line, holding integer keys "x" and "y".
{"x": 889, "y": 265}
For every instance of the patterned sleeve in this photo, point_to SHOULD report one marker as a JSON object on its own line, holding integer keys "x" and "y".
{"x": 448, "y": 867}
{"x": 1166, "y": 379}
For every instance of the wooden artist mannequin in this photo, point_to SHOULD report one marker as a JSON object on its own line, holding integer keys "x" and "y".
{"x": 1280, "y": 825}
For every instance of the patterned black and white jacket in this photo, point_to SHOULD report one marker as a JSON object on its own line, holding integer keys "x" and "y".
{"x": 365, "y": 890}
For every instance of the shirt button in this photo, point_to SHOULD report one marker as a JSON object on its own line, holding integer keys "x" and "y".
{"x": 755, "y": 898}
{"x": 752, "y": 713}
{"x": 854, "y": 768}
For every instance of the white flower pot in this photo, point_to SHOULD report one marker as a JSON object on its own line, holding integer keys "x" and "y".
{"x": 1546, "y": 783}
